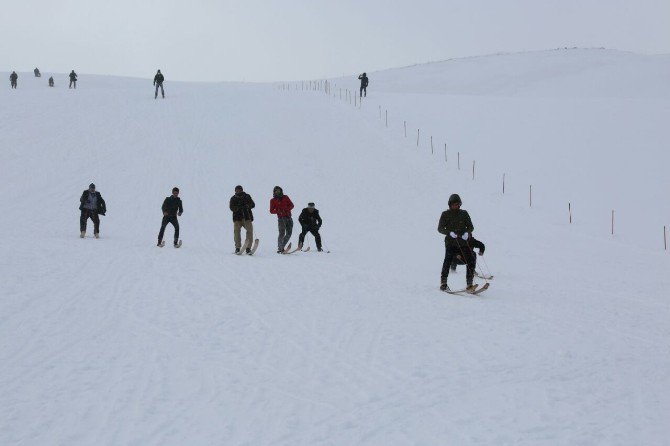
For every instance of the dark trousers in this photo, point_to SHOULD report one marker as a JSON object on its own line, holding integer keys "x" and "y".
{"x": 364, "y": 91}
{"x": 13, "y": 84}
{"x": 468, "y": 257}
{"x": 314, "y": 232}
{"x": 93, "y": 215}
{"x": 285, "y": 225}
{"x": 73, "y": 82}
{"x": 161, "y": 87}
{"x": 169, "y": 219}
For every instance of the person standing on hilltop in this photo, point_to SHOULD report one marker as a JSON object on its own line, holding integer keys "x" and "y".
{"x": 456, "y": 225}
{"x": 51, "y": 81}
{"x": 281, "y": 205}
{"x": 364, "y": 85}
{"x": 13, "y": 78}
{"x": 172, "y": 208}
{"x": 73, "y": 79}
{"x": 158, "y": 82}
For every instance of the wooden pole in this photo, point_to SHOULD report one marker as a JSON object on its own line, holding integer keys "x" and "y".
{"x": 445, "y": 152}
{"x": 387, "y": 117}
{"x": 380, "y": 112}
{"x": 612, "y": 221}
{"x": 404, "y": 124}
{"x": 431, "y": 146}
{"x": 473, "y": 170}
{"x": 503, "y": 184}
{"x": 459, "y": 161}
{"x": 417, "y": 137}
{"x": 665, "y": 239}
{"x": 530, "y": 196}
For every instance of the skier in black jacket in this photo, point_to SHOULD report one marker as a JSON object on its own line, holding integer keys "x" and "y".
{"x": 457, "y": 227}
{"x": 73, "y": 79}
{"x": 13, "y": 78}
{"x": 91, "y": 205}
{"x": 364, "y": 84}
{"x": 158, "y": 82}
{"x": 310, "y": 220}
{"x": 172, "y": 208}
{"x": 241, "y": 204}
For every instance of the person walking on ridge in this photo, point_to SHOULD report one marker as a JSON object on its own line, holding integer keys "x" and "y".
{"x": 158, "y": 82}
{"x": 241, "y": 205}
{"x": 172, "y": 208}
{"x": 364, "y": 85}
{"x": 73, "y": 79}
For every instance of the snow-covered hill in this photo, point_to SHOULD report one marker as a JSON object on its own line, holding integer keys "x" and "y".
{"x": 115, "y": 341}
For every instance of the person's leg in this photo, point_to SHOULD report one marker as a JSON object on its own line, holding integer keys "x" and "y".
{"x": 237, "y": 226}
{"x": 317, "y": 237}
{"x": 301, "y": 237}
{"x": 156, "y": 92}
{"x": 470, "y": 262}
{"x": 96, "y": 222}
{"x": 360, "y": 93}
{"x": 289, "y": 230}
{"x": 82, "y": 220}
{"x": 249, "y": 229}
{"x": 282, "y": 230}
{"x": 162, "y": 91}
{"x": 175, "y": 223}
{"x": 164, "y": 223}
{"x": 448, "y": 257}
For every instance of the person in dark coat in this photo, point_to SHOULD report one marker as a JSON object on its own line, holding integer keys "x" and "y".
{"x": 241, "y": 205}
{"x": 172, "y": 208}
{"x": 473, "y": 243}
{"x": 364, "y": 84}
{"x": 91, "y": 206}
{"x": 13, "y": 78}
{"x": 37, "y": 72}
{"x": 311, "y": 222}
{"x": 158, "y": 82}
{"x": 457, "y": 227}
{"x": 51, "y": 81}
{"x": 73, "y": 79}
{"x": 281, "y": 205}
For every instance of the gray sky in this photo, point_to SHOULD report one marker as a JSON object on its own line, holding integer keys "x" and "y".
{"x": 253, "y": 40}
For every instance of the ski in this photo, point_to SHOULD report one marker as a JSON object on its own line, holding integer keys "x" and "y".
{"x": 299, "y": 248}
{"x": 254, "y": 247}
{"x": 305, "y": 250}
{"x": 287, "y": 248}
{"x": 481, "y": 290}
{"x": 242, "y": 249}
{"x": 465, "y": 290}
{"x": 483, "y": 276}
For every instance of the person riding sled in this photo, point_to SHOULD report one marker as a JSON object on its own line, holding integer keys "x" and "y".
{"x": 455, "y": 224}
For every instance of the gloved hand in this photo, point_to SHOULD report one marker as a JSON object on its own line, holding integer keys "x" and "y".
{"x": 452, "y": 234}
{"x": 465, "y": 236}
{"x": 102, "y": 213}
{"x": 179, "y": 214}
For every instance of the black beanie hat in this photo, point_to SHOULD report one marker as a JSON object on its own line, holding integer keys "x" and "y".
{"x": 91, "y": 186}
{"x": 455, "y": 199}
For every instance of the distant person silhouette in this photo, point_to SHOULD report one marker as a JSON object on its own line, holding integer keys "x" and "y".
{"x": 13, "y": 78}
{"x": 158, "y": 82}
{"x": 51, "y": 81}
{"x": 73, "y": 79}
{"x": 364, "y": 84}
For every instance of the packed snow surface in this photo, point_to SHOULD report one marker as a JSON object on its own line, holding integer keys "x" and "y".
{"x": 117, "y": 342}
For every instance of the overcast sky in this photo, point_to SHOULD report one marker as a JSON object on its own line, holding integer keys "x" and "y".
{"x": 254, "y": 40}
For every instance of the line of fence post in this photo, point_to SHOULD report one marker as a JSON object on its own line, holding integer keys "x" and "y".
{"x": 570, "y": 211}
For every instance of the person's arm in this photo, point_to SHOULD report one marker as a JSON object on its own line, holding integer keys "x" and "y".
{"x": 290, "y": 203}
{"x": 318, "y": 220}
{"x": 442, "y": 225}
{"x": 103, "y": 205}
{"x": 181, "y": 208}
{"x": 302, "y": 218}
{"x": 468, "y": 223}
{"x": 273, "y": 206}
{"x": 251, "y": 202}
{"x": 164, "y": 207}
{"x": 155, "y": 78}
{"x": 233, "y": 207}
{"x": 83, "y": 197}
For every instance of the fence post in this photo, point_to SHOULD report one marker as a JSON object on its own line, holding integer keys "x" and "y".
{"x": 459, "y": 161}
{"x": 473, "y": 170}
{"x": 530, "y": 196}
{"x": 503, "y": 184}
{"x": 432, "y": 152}
{"x": 417, "y": 136}
{"x": 445, "y": 152}
{"x": 387, "y": 117}
{"x": 612, "y": 221}
{"x": 665, "y": 239}
{"x": 570, "y": 211}
{"x": 404, "y": 124}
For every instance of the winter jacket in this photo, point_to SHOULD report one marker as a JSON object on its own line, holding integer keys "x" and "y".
{"x": 73, "y": 76}
{"x": 474, "y": 243}
{"x": 364, "y": 80}
{"x": 310, "y": 220}
{"x": 13, "y": 76}
{"x": 457, "y": 221}
{"x": 241, "y": 205}
{"x": 158, "y": 78}
{"x": 172, "y": 205}
{"x": 281, "y": 206}
{"x": 101, "y": 206}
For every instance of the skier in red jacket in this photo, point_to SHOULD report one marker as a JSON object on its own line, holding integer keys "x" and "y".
{"x": 281, "y": 205}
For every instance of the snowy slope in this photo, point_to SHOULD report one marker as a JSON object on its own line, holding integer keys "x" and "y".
{"x": 115, "y": 341}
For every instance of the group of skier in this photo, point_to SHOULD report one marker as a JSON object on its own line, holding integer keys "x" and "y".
{"x": 14, "y": 78}
{"x": 92, "y": 205}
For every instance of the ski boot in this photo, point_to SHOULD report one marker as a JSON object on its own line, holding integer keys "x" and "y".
{"x": 444, "y": 287}
{"x": 471, "y": 288}
{"x": 248, "y": 250}
{"x": 237, "y": 250}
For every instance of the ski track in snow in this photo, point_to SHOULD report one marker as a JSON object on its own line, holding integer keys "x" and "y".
{"x": 115, "y": 341}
